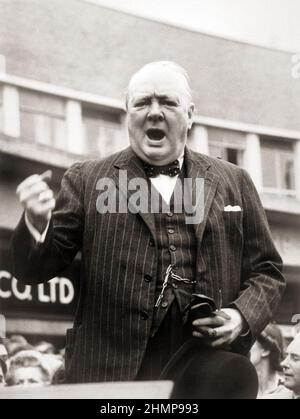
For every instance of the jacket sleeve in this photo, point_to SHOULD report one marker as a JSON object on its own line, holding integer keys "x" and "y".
{"x": 34, "y": 262}
{"x": 262, "y": 282}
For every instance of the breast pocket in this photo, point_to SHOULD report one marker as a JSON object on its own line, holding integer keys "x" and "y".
{"x": 233, "y": 222}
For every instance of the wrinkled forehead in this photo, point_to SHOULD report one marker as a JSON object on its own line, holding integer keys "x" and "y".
{"x": 294, "y": 346}
{"x": 159, "y": 81}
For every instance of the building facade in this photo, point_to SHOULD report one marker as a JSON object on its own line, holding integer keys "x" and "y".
{"x": 64, "y": 67}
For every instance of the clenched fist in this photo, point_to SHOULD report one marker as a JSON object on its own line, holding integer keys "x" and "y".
{"x": 37, "y": 199}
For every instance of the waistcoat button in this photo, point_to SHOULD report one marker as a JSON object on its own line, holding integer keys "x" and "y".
{"x": 148, "y": 278}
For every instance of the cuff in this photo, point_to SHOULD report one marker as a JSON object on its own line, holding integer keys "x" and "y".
{"x": 243, "y": 343}
{"x": 39, "y": 237}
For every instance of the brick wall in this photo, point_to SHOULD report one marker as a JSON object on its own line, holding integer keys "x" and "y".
{"x": 87, "y": 47}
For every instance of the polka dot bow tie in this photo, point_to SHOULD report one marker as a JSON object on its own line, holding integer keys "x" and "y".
{"x": 171, "y": 169}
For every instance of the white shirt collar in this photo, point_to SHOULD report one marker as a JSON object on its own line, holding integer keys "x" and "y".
{"x": 166, "y": 184}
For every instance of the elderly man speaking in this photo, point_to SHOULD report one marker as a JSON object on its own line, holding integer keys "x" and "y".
{"x": 142, "y": 273}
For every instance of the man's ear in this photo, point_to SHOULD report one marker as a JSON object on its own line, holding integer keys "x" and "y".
{"x": 265, "y": 353}
{"x": 191, "y": 110}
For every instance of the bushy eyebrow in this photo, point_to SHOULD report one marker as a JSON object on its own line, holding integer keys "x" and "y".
{"x": 141, "y": 97}
{"x": 167, "y": 97}
{"x": 296, "y": 355}
{"x": 292, "y": 354}
{"x": 160, "y": 97}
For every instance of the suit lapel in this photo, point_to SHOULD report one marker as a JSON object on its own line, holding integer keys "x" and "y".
{"x": 130, "y": 163}
{"x": 198, "y": 167}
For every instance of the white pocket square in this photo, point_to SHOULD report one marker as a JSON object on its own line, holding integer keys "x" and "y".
{"x": 230, "y": 208}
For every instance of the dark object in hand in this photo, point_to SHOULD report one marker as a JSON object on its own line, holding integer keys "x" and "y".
{"x": 202, "y": 306}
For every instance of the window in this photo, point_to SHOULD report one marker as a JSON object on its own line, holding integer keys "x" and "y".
{"x": 278, "y": 165}
{"x": 102, "y": 132}
{"x": 43, "y": 119}
{"x": 226, "y": 144}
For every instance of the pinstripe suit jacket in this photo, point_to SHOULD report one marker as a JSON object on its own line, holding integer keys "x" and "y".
{"x": 236, "y": 259}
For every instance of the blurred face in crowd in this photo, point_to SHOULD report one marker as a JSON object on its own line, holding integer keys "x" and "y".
{"x": 160, "y": 113}
{"x": 291, "y": 366}
{"x": 28, "y": 377}
{"x": 1, "y": 375}
{"x": 258, "y": 353}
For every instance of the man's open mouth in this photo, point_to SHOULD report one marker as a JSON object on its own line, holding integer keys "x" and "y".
{"x": 155, "y": 134}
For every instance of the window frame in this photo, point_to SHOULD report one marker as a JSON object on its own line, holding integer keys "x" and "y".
{"x": 278, "y": 169}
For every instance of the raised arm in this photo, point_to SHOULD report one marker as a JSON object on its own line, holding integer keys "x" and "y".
{"x": 45, "y": 241}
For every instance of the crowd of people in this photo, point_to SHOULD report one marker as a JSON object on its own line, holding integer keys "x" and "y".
{"x": 277, "y": 365}
{"x": 24, "y": 364}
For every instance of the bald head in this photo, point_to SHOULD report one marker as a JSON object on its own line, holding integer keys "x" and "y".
{"x": 162, "y": 68}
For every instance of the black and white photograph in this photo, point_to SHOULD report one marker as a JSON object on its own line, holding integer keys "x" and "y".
{"x": 149, "y": 202}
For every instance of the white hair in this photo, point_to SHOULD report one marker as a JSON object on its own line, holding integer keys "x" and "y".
{"x": 27, "y": 359}
{"x": 170, "y": 65}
